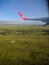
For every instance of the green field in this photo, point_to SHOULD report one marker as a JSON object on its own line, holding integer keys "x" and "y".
{"x": 24, "y": 45}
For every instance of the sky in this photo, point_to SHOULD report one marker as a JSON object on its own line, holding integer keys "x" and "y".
{"x": 30, "y": 8}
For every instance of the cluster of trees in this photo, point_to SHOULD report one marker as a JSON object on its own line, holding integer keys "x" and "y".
{"x": 5, "y": 32}
{"x": 23, "y": 32}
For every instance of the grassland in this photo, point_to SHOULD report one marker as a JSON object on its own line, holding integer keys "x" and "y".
{"x": 24, "y": 45}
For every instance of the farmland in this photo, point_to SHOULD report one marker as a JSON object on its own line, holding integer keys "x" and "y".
{"x": 24, "y": 45}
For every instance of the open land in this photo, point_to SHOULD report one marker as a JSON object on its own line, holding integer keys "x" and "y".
{"x": 24, "y": 45}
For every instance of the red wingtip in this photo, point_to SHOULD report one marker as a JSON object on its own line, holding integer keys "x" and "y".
{"x": 23, "y": 17}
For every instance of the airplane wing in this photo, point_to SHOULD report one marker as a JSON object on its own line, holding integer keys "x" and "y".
{"x": 24, "y": 18}
{"x": 45, "y": 19}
